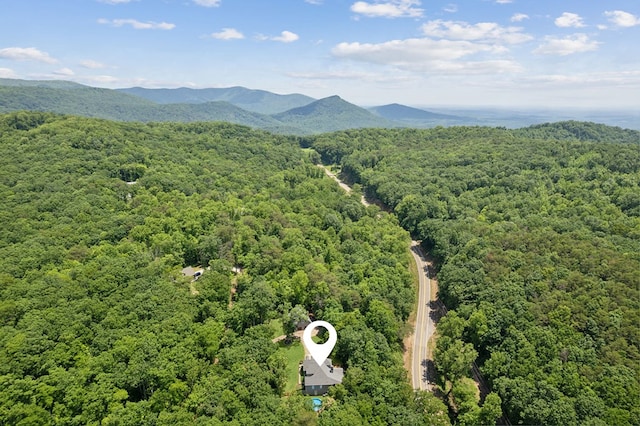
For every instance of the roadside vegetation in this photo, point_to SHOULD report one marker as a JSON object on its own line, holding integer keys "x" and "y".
{"x": 536, "y": 233}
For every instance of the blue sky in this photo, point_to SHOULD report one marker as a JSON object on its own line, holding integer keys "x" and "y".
{"x": 542, "y": 53}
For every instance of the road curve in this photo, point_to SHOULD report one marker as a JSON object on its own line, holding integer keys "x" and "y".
{"x": 425, "y": 326}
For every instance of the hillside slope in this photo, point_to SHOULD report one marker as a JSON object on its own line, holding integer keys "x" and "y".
{"x": 580, "y": 130}
{"x": 330, "y": 114}
{"x": 80, "y": 100}
{"x": 114, "y": 105}
{"x": 51, "y": 84}
{"x": 260, "y": 101}
{"x": 414, "y": 115}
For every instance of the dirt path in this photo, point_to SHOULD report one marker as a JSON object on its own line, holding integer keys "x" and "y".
{"x": 343, "y": 185}
{"x": 193, "y": 289}
{"x": 297, "y": 334}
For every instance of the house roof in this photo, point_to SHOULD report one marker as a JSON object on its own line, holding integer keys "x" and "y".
{"x": 190, "y": 271}
{"x": 325, "y": 374}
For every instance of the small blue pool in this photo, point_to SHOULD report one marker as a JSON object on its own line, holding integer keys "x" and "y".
{"x": 317, "y": 403}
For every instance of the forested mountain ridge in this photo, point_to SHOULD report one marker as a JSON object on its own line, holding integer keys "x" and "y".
{"x": 330, "y": 114}
{"x": 259, "y": 108}
{"x": 97, "y": 325}
{"x": 113, "y": 105}
{"x": 83, "y": 100}
{"x": 324, "y": 115}
{"x": 51, "y": 84}
{"x": 580, "y": 130}
{"x": 252, "y": 100}
{"x": 537, "y": 236}
{"x": 415, "y": 116}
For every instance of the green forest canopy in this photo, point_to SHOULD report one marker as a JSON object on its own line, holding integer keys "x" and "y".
{"x": 537, "y": 236}
{"x": 97, "y": 325}
{"x": 536, "y": 232}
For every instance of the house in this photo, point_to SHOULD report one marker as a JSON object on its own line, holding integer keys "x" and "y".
{"x": 302, "y": 324}
{"x": 192, "y": 272}
{"x": 318, "y": 378}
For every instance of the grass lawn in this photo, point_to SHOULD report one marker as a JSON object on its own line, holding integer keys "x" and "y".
{"x": 294, "y": 354}
{"x": 276, "y": 325}
{"x": 320, "y": 340}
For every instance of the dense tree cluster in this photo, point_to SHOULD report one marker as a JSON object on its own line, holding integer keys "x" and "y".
{"x": 537, "y": 236}
{"x": 97, "y": 324}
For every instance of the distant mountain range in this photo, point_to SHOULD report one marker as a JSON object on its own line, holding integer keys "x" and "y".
{"x": 330, "y": 114}
{"x": 415, "y": 116}
{"x": 288, "y": 114}
{"x": 307, "y": 115}
{"x": 259, "y": 101}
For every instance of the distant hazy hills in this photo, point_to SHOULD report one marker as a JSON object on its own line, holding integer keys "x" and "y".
{"x": 290, "y": 114}
{"x": 53, "y": 84}
{"x": 259, "y": 101}
{"x": 330, "y": 114}
{"x": 235, "y": 105}
{"x": 415, "y": 116}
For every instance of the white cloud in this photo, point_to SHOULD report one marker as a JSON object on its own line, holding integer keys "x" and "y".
{"x": 458, "y": 30}
{"x": 426, "y": 55}
{"x": 519, "y": 17}
{"x": 576, "y": 43}
{"x": 569, "y": 20}
{"x": 228, "y": 34}
{"x": 26, "y": 54}
{"x": 451, "y": 8}
{"x": 208, "y": 3}
{"x": 414, "y": 50}
{"x": 352, "y": 75}
{"x": 138, "y": 25}
{"x": 622, "y": 18}
{"x": 388, "y": 9}
{"x": 92, "y": 64}
{"x": 64, "y": 72}
{"x": 313, "y": 1}
{"x": 504, "y": 1}
{"x": 7, "y": 73}
{"x": 483, "y": 67}
{"x": 284, "y": 37}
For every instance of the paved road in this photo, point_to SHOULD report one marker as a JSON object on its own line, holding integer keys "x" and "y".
{"x": 425, "y": 326}
{"x": 421, "y": 372}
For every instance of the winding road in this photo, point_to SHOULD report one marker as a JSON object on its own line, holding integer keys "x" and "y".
{"x": 421, "y": 373}
{"x": 425, "y": 326}
{"x": 422, "y": 369}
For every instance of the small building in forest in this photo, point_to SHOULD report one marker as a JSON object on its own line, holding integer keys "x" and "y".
{"x": 192, "y": 272}
{"x": 317, "y": 378}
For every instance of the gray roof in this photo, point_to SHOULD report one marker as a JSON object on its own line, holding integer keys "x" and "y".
{"x": 190, "y": 271}
{"x": 325, "y": 374}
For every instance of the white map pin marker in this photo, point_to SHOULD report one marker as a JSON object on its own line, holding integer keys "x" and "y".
{"x": 319, "y": 352}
